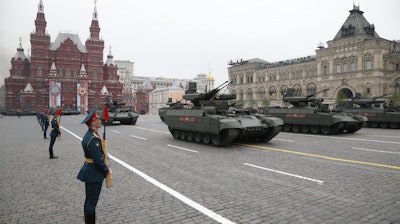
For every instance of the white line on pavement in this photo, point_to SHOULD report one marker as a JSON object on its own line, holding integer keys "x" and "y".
{"x": 353, "y": 139}
{"x": 174, "y": 146}
{"x": 289, "y": 174}
{"x": 138, "y": 137}
{"x": 284, "y": 140}
{"x": 167, "y": 189}
{"x": 374, "y": 150}
{"x": 116, "y": 131}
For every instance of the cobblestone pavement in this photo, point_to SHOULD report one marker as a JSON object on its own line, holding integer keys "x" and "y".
{"x": 356, "y": 185}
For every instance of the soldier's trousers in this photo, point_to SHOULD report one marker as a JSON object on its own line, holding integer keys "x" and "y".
{"x": 52, "y": 141}
{"x": 92, "y": 197}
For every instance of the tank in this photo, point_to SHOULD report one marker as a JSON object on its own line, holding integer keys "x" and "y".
{"x": 209, "y": 119}
{"x": 310, "y": 115}
{"x": 379, "y": 113}
{"x": 119, "y": 112}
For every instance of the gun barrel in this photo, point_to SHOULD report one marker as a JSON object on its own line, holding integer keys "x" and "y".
{"x": 380, "y": 96}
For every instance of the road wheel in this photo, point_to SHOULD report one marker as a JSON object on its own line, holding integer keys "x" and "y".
{"x": 394, "y": 125}
{"x": 182, "y": 135}
{"x": 216, "y": 140}
{"x": 295, "y": 128}
{"x": 374, "y": 124}
{"x": 383, "y": 125}
{"x": 197, "y": 137}
{"x": 305, "y": 128}
{"x": 314, "y": 129}
{"x": 326, "y": 130}
{"x": 206, "y": 138}
{"x": 189, "y": 136}
{"x": 286, "y": 127}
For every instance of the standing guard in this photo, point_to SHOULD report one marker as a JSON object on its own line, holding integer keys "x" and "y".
{"x": 55, "y": 132}
{"x": 45, "y": 123}
{"x": 95, "y": 169}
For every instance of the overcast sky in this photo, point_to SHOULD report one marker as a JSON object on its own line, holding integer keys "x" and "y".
{"x": 182, "y": 38}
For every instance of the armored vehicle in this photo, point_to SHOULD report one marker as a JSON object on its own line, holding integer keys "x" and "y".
{"x": 209, "y": 119}
{"x": 310, "y": 115}
{"x": 379, "y": 113}
{"x": 162, "y": 111}
{"x": 118, "y": 112}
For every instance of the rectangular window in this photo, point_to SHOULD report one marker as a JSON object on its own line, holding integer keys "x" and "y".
{"x": 353, "y": 67}
{"x": 325, "y": 70}
{"x": 368, "y": 65}
{"x": 338, "y": 68}
{"x": 345, "y": 68}
{"x": 397, "y": 67}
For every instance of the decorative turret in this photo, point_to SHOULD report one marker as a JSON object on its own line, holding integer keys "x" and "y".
{"x": 356, "y": 24}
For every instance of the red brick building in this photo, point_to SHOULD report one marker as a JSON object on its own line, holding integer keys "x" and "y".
{"x": 62, "y": 73}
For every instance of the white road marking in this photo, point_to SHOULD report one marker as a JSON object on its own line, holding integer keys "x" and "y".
{"x": 353, "y": 139}
{"x": 284, "y": 140}
{"x": 374, "y": 150}
{"x": 138, "y": 137}
{"x": 284, "y": 173}
{"x": 116, "y": 131}
{"x": 174, "y": 146}
{"x": 167, "y": 189}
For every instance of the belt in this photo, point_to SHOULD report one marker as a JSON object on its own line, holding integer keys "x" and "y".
{"x": 89, "y": 160}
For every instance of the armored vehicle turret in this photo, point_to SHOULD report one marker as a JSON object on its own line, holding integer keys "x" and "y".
{"x": 309, "y": 115}
{"x": 119, "y": 112}
{"x": 209, "y": 119}
{"x": 379, "y": 113}
{"x": 163, "y": 110}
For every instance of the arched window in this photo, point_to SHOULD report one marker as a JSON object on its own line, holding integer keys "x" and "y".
{"x": 68, "y": 73}
{"x": 95, "y": 74}
{"x": 39, "y": 71}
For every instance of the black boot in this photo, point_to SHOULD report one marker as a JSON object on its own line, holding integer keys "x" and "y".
{"x": 92, "y": 218}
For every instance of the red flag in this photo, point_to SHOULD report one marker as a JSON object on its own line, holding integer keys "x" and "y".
{"x": 105, "y": 113}
{"x": 59, "y": 112}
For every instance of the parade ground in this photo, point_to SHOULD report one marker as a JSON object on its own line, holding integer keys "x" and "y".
{"x": 294, "y": 178}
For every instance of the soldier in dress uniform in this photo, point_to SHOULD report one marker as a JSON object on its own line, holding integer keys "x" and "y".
{"x": 45, "y": 122}
{"x": 94, "y": 170}
{"x": 55, "y": 132}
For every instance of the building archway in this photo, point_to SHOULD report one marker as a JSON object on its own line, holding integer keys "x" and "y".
{"x": 345, "y": 92}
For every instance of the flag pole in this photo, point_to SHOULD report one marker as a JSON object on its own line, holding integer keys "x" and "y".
{"x": 109, "y": 181}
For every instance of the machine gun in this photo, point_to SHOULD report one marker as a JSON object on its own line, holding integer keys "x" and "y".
{"x": 301, "y": 101}
{"x": 204, "y": 99}
{"x": 367, "y": 103}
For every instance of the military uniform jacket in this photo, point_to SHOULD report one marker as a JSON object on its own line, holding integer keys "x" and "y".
{"x": 92, "y": 172}
{"x": 56, "y": 127}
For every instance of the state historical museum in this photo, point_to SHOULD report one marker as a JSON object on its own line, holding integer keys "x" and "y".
{"x": 64, "y": 73}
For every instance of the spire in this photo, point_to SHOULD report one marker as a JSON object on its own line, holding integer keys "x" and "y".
{"x": 20, "y": 51}
{"x": 95, "y": 13}
{"x": 40, "y": 21}
{"x": 94, "y": 27}
{"x": 40, "y": 7}
{"x": 110, "y": 59}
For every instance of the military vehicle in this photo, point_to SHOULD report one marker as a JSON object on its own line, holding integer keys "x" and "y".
{"x": 310, "y": 115}
{"x": 117, "y": 112}
{"x": 162, "y": 111}
{"x": 379, "y": 113}
{"x": 211, "y": 120}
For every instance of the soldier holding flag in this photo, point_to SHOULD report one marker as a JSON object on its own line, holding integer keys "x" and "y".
{"x": 95, "y": 168}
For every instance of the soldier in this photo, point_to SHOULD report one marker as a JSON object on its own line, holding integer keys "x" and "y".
{"x": 55, "y": 132}
{"x": 94, "y": 170}
{"x": 45, "y": 123}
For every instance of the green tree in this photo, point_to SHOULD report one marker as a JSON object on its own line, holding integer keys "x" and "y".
{"x": 341, "y": 99}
